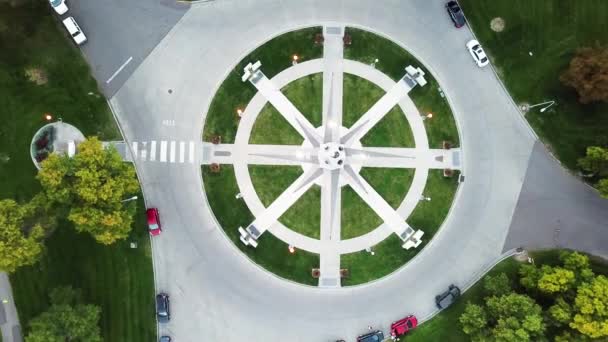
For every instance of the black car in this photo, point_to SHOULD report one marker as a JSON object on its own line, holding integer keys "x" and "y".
{"x": 162, "y": 308}
{"x": 448, "y": 297}
{"x": 455, "y": 13}
{"x": 373, "y": 336}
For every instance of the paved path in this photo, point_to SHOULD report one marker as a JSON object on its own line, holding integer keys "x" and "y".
{"x": 212, "y": 284}
{"x": 9, "y": 319}
{"x": 555, "y": 209}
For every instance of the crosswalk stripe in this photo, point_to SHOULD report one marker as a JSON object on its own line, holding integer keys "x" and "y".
{"x": 172, "y": 152}
{"x": 144, "y": 151}
{"x": 152, "y": 150}
{"x": 191, "y": 152}
{"x": 163, "y": 151}
{"x": 182, "y": 151}
{"x": 134, "y": 149}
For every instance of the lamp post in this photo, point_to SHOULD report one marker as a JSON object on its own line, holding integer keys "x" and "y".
{"x": 546, "y": 105}
{"x": 295, "y": 59}
{"x": 373, "y": 64}
{"x": 427, "y": 116}
{"x": 129, "y": 199}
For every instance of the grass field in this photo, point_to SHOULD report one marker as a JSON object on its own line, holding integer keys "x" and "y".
{"x": 275, "y": 56}
{"x": 552, "y": 30}
{"x": 116, "y": 278}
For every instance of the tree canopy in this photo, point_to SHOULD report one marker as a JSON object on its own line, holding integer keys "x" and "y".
{"x": 20, "y": 236}
{"x": 588, "y": 74}
{"x": 90, "y": 187}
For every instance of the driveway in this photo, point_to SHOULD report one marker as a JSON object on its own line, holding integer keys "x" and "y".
{"x": 555, "y": 209}
{"x": 216, "y": 291}
{"x": 121, "y": 33}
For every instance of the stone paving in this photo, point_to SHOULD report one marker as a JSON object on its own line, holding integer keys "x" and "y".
{"x": 331, "y": 156}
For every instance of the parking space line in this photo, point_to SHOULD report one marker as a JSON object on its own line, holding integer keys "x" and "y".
{"x": 163, "y": 151}
{"x": 119, "y": 70}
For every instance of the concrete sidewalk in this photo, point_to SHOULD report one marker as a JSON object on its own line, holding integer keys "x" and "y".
{"x": 9, "y": 319}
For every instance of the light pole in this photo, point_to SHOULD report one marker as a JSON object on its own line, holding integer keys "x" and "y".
{"x": 546, "y": 105}
{"x": 129, "y": 199}
{"x": 373, "y": 64}
{"x": 427, "y": 116}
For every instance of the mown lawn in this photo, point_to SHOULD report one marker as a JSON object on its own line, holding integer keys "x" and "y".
{"x": 275, "y": 55}
{"x": 231, "y": 213}
{"x": 116, "y": 278}
{"x": 393, "y": 59}
{"x": 552, "y": 30}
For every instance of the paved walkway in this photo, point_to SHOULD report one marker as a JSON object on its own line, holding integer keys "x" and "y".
{"x": 9, "y": 319}
{"x": 557, "y": 210}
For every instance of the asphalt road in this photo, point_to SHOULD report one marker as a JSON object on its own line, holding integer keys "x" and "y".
{"x": 555, "y": 209}
{"x": 217, "y": 293}
{"x": 122, "y": 30}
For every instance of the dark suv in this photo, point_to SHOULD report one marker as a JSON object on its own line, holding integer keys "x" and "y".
{"x": 455, "y": 13}
{"x": 373, "y": 336}
{"x": 448, "y": 297}
{"x": 162, "y": 308}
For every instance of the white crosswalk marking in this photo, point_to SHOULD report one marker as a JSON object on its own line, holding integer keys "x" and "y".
{"x": 191, "y": 152}
{"x": 182, "y": 151}
{"x": 172, "y": 152}
{"x": 163, "y": 151}
{"x": 134, "y": 149}
{"x": 152, "y": 150}
{"x": 144, "y": 151}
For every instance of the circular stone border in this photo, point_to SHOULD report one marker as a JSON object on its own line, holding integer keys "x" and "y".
{"x": 381, "y": 36}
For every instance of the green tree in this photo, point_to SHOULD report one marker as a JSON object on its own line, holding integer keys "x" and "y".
{"x": 596, "y": 161}
{"x": 518, "y": 317}
{"x": 89, "y": 187}
{"x": 555, "y": 280}
{"x": 497, "y": 285}
{"x": 602, "y": 187}
{"x": 588, "y": 74}
{"x": 474, "y": 321}
{"x": 20, "y": 236}
{"x": 529, "y": 276}
{"x": 66, "y": 320}
{"x": 560, "y": 313}
{"x": 579, "y": 264}
{"x": 591, "y": 308}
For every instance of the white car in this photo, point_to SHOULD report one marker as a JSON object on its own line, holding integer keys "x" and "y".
{"x": 477, "y": 52}
{"x": 59, "y": 6}
{"x": 74, "y": 30}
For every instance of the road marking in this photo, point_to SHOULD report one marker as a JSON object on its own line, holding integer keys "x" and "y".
{"x": 152, "y": 150}
{"x": 169, "y": 122}
{"x": 163, "y": 151}
{"x": 182, "y": 151}
{"x": 134, "y": 149}
{"x": 191, "y": 152}
{"x": 172, "y": 152}
{"x": 119, "y": 70}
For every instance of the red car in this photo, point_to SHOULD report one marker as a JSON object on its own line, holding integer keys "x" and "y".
{"x": 402, "y": 326}
{"x": 153, "y": 221}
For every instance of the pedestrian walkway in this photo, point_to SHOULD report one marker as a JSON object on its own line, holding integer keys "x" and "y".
{"x": 9, "y": 319}
{"x": 164, "y": 151}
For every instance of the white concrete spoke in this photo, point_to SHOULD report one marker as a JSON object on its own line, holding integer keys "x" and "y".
{"x": 290, "y": 196}
{"x": 378, "y": 204}
{"x": 333, "y": 66}
{"x": 331, "y": 199}
{"x": 282, "y": 104}
{"x": 394, "y": 157}
{"x": 259, "y": 154}
{"x": 376, "y": 112}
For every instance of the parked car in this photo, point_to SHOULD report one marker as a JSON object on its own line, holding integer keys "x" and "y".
{"x": 448, "y": 297}
{"x": 476, "y": 51}
{"x": 372, "y": 336}
{"x": 164, "y": 339}
{"x": 153, "y": 221}
{"x": 59, "y": 6}
{"x": 403, "y": 326}
{"x": 455, "y": 13}
{"x": 74, "y": 30}
{"x": 162, "y": 308}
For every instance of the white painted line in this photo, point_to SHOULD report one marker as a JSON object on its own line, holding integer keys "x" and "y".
{"x": 182, "y": 151}
{"x": 191, "y": 152}
{"x": 119, "y": 70}
{"x": 172, "y": 152}
{"x": 144, "y": 154}
{"x": 134, "y": 149}
{"x": 163, "y": 151}
{"x": 152, "y": 150}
